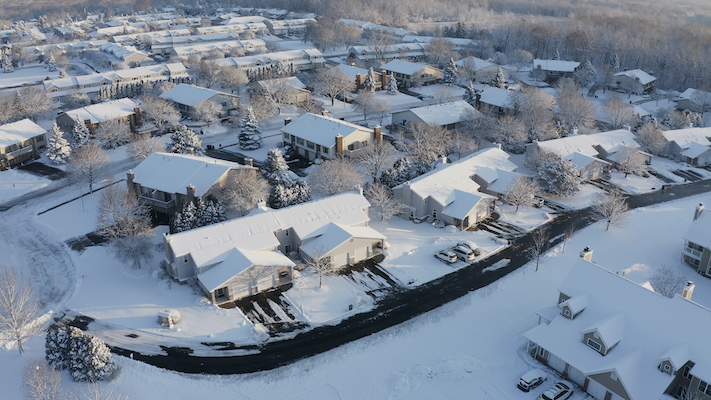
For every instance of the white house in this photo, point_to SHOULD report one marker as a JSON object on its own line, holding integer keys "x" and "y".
{"x": 122, "y": 110}
{"x": 448, "y": 115}
{"x": 554, "y": 69}
{"x": 484, "y": 71}
{"x": 688, "y": 145}
{"x": 697, "y": 241}
{"x": 410, "y": 74}
{"x": 619, "y": 340}
{"x": 694, "y": 100}
{"x": 635, "y": 81}
{"x": 21, "y": 141}
{"x": 187, "y": 97}
{"x": 301, "y": 60}
{"x": 500, "y": 100}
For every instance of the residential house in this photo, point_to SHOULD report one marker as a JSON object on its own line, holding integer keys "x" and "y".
{"x": 359, "y": 75}
{"x": 410, "y": 74}
{"x": 91, "y": 84}
{"x": 21, "y": 141}
{"x": 409, "y": 51}
{"x": 500, "y": 100}
{"x": 167, "y": 181}
{"x": 150, "y": 37}
{"x": 690, "y": 145}
{"x": 495, "y": 181}
{"x": 300, "y": 60}
{"x": 552, "y": 70}
{"x": 589, "y": 152}
{"x": 450, "y": 193}
{"x": 245, "y": 255}
{"x": 448, "y": 115}
{"x": 122, "y": 110}
{"x": 78, "y": 46}
{"x": 481, "y": 70}
{"x": 166, "y": 45}
{"x": 125, "y": 54}
{"x": 245, "y": 46}
{"x": 634, "y": 81}
{"x": 458, "y": 44}
{"x": 256, "y": 28}
{"x": 694, "y": 100}
{"x": 187, "y": 97}
{"x": 289, "y": 27}
{"x": 294, "y": 89}
{"x": 618, "y": 340}
{"x": 317, "y": 136}
{"x": 697, "y": 242}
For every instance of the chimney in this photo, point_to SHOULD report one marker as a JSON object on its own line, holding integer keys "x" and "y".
{"x": 443, "y": 159}
{"x": 130, "y": 176}
{"x": 325, "y": 113}
{"x": 191, "y": 193}
{"x": 384, "y": 80}
{"x": 358, "y": 189}
{"x": 697, "y": 212}
{"x": 358, "y": 82}
{"x": 166, "y": 236}
{"x": 339, "y": 145}
{"x": 287, "y": 121}
{"x": 688, "y": 290}
{"x": 87, "y": 122}
{"x": 249, "y": 162}
{"x": 378, "y": 134}
{"x": 261, "y": 204}
{"x": 139, "y": 116}
{"x": 477, "y": 101}
{"x": 586, "y": 254}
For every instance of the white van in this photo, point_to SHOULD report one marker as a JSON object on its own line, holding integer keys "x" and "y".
{"x": 531, "y": 379}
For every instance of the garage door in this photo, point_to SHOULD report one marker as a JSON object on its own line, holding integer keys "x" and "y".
{"x": 576, "y": 376}
{"x": 556, "y": 363}
{"x": 596, "y": 390}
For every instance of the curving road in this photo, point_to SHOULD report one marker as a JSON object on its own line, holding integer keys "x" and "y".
{"x": 394, "y": 309}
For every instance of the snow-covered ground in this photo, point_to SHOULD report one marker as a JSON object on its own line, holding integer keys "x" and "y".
{"x": 15, "y": 182}
{"x": 31, "y": 73}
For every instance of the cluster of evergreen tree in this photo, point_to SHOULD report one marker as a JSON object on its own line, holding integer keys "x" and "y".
{"x": 86, "y": 357}
{"x": 195, "y": 216}
{"x": 133, "y": 90}
{"x": 185, "y": 141}
{"x": 283, "y": 191}
{"x": 402, "y": 171}
{"x": 80, "y": 133}
{"x": 449, "y": 75}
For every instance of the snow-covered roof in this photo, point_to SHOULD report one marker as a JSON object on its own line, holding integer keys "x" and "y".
{"x": 122, "y": 52}
{"x": 460, "y": 203}
{"x": 581, "y": 160}
{"x": 639, "y": 319}
{"x": 445, "y": 178}
{"x": 475, "y": 63}
{"x": 237, "y": 261}
{"x": 585, "y": 144}
{"x": 638, "y": 75}
{"x": 576, "y": 304}
{"x": 695, "y": 149}
{"x": 458, "y": 42}
{"x": 352, "y": 71}
{"x": 497, "y": 97}
{"x": 172, "y": 173}
{"x": 189, "y": 95}
{"x": 445, "y": 113}
{"x": 290, "y": 81}
{"x": 102, "y": 112}
{"x": 91, "y": 81}
{"x": 320, "y": 129}
{"x": 334, "y": 235}
{"x": 690, "y": 93}
{"x": 403, "y": 67}
{"x": 297, "y": 57}
{"x": 555, "y": 65}
{"x": 683, "y": 137}
{"x": 699, "y": 230}
{"x": 256, "y": 232}
{"x": 500, "y": 180}
{"x": 356, "y": 22}
{"x": 19, "y": 131}
{"x": 677, "y": 356}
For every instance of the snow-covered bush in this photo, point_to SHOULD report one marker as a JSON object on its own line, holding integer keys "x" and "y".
{"x": 87, "y": 358}
{"x": 559, "y": 176}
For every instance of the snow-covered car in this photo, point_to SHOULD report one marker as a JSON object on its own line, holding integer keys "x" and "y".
{"x": 539, "y": 202}
{"x": 472, "y": 247}
{"x": 463, "y": 253}
{"x": 446, "y": 256}
{"x": 560, "y": 391}
{"x": 531, "y": 380}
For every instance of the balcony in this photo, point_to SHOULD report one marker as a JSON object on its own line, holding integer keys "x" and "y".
{"x": 693, "y": 253}
{"x": 155, "y": 203}
{"x": 17, "y": 153}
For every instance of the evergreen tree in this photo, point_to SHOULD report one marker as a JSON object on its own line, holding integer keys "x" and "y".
{"x": 51, "y": 64}
{"x": 392, "y": 84}
{"x": 184, "y": 220}
{"x": 7, "y": 64}
{"x": 283, "y": 191}
{"x": 80, "y": 133}
{"x": 556, "y": 55}
{"x": 450, "y": 73}
{"x": 499, "y": 79}
{"x": 470, "y": 94}
{"x": 57, "y": 347}
{"x": 63, "y": 73}
{"x": 58, "y": 150}
{"x": 250, "y": 136}
{"x": 616, "y": 63}
{"x": 558, "y": 176}
{"x": 370, "y": 81}
{"x": 208, "y": 213}
{"x": 586, "y": 74}
{"x": 87, "y": 358}
{"x": 275, "y": 169}
{"x": 185, "y": 141}
{"x": 402, "y": 170}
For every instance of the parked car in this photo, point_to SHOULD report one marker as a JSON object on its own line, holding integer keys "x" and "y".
{"x": 463, "y": 253}
{"x": 446, "y": 256}
{"x": 531, "y": 380}
{"x": 476, "y": 250}
{"x": 560, "y": 391}
{"x": 538, "y": 202}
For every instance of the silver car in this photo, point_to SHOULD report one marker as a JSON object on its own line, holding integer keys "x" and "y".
{"x": 560, "y": 391}
{"x": 463, "y": 253}
{"x": 446, "y": 256}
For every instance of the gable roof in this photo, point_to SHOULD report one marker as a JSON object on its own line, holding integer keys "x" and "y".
{"x": 611, "y": 330}
{"x": 320, "y": 129}
{"x": 19, "y": 131}
{"x": 237, "y": 261}
{"x": 585, "y": 144}
{"x": 102, "y": 112}
{"x": 334, "y": 235}
{"x": 403, "y": 67}
{"x": 576, "y": 304}
{"x": 699, "y": 230}
{"x": 677, "y": 356}
{"x": 189, "y": 95}
{"x": 497, "y": 97}
{"x": 695, "y": 149}
{"x": 460, "y": 204}
{"x": 555, "y": 65}
{"x": 638, "y": 75}
{"x": 445, "y": 113}
{"x": 476, "y": 63}
{"x": 172, "y": 173}
{"x": 683, "y": 137}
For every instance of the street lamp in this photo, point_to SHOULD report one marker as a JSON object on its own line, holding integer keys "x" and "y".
{"x": 433, "y": 226}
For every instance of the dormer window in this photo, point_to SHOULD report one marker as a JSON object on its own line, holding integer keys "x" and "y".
{"x": 594, "y": 344}
{"x": 566, "y": 312}
{"x": 667, "y": 368}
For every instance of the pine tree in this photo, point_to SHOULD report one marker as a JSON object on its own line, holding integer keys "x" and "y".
{"x": 51, "y": 64}
{"x": 275, "y": 169}
{"x": 470, "y": 94}
{"x": 558, "y": 176}
{"x": 185, "y": 141}
{"x": 87, "y": 358}
{"x": 499, "y": 79}
{"x": 58, "y": 150}
{"x": 403, "y": 170}
{"x": 63, "y": 73}
{"x": 616, "y": 63}
{"x": 556, "y": 55}
{"x": 80, "y": 133}
{"x": 284, "y": 191}
{"x": 392, "y": 84}
{"x": 57, "y": 347}
{"x": 250, "y": 136}
{"x": 370, "y": 84}
{"x": 586, "y": 74}
{"x": 450, "y": 73}
{"x": 7, "y": 64}
{"x": 208, "y": 213}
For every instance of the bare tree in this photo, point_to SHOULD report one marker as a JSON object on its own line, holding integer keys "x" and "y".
{"x": 42, "y": 381}
{"x": 440, "y": 50}
{"x": 320, "y": 263}
{"x": 347, "y": 34}
{"x": 522, "y": 192}
{"x": 651, "y": 138}
{"x": 462, "y": 143}
{"x": 88, "y": 163}
{"x": 232, "y": 78}
{"x": 443, "y": 94}
{"x": 262, "y": 107}
{"x": 534, "y": 108}
{"x": 160, "y": 112}
{"x": 242, "y": 189}
{"x": 333, "y": 82}
{"x": 425, "y": 143}
{"x": 667, "y": 281}
{"x": 567, "y": 235}
{"x": 367, "y": 102}
{"x": 703, "y": 100}
{"x": 207, "y": 111}
{"x": 511, "y": 133}
{"x": 208, "y": 73}
{"x": 31, "y": 102}
{"x": 378, "y": 42}
{"x": 574, "y": 109}
{"x": 618, "y": 112}
{"x": 377, "y": 158}
{"x": 610, "y": 207}
{"x": 280, "y": 91}
{"x": 143, "y": 146}
{"x": 19, "y": 306}
{"x": 97, "y": 391}
{"x": 335, "y": 176}
{"x": 541, "y": 242}
{"x": 521, "y": 58}
{"x": 383, "y": 201}
{"x": 631, "y": 161}
{"x": 113, "y": 133}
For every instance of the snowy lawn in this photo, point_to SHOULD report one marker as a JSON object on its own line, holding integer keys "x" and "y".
{"x": 15, "y": 182}
{"x": 525, "y": 218}
{"x": 75, "y": 218}
{"x": 32, "y": 73}
{"x": 634, "y": 184}
{"x": 581, "y": 199}
{"x": 439, "y": 89}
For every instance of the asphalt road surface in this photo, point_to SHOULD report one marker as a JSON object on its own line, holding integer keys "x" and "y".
{"x": 395, "y": 308}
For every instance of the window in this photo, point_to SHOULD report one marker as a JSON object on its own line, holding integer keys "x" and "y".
{"x": 310, "y": 145}
{"x": 566, "y": 312}
{"x": 541, "y": 351}
{"x": 220, "y": 292}
{"x": 434, "y": 213}
{"x": 667, "y": 367}
{"x": 686, "y": 372}
{"x": 300, "y": 141}
{"x": 287, "y": 136}
{"x": 42, "y": 147}
{"x": 593, "y": 344}
{"x": 324, "y": 150}
{"x": 703, "y": 386}
{"x": 40, "y": 138}
{"x": 185, "y": 259}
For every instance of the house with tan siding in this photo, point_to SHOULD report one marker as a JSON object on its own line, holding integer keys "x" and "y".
{"x": 21, "y": 141}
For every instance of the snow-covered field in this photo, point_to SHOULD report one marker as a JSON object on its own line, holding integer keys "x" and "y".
{"x": 32, "y": 73}
{"x": 15, "y": 182}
